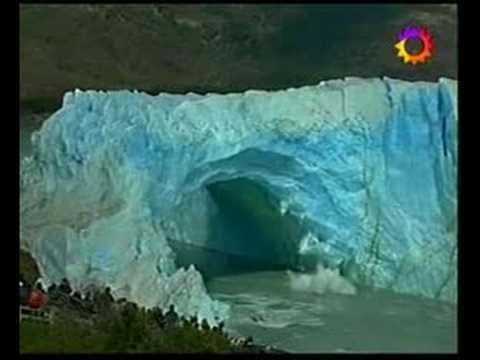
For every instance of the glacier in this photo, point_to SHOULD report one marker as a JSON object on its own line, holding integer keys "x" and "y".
{"x": 362, "y": 171}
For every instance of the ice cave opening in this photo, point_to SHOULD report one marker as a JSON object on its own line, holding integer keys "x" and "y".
{"x": 247, "y": 231}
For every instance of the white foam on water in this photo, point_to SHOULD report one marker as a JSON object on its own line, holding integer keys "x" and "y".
{"x": 322, "y": 281}
{"x": 301, "y": 320}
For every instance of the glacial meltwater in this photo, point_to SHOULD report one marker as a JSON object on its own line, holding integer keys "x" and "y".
{"x": 264, "y": 305}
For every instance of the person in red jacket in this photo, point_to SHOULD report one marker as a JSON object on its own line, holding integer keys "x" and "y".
{"x": 37, "y": 298}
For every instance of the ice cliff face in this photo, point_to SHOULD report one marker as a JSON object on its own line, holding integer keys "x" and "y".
{"x": 365, "y": 167}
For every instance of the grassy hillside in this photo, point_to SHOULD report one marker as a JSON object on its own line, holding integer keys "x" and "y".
{"x": 120, "y": 331}
{"x": 178, "y": 48}
{"x": 38, "y": 337}
{"x": 132, "y": 335}
{"x": 143, "y": 46}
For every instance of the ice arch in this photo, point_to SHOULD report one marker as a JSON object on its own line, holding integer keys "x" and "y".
{"x": 364, "y": 170}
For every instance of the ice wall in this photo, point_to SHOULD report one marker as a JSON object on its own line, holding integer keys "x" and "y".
{"x": 368, "y": 166}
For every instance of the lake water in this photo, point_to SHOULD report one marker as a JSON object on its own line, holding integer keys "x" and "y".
{"x": 264, "y": 306}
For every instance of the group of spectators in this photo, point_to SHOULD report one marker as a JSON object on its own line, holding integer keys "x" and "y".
{"x": 63, "y": 295}
{"x": 171, "y": 318}
{"x": 32, "y": 295}
{"x": 97, "y": 301}
{"x": 101, "y": 302}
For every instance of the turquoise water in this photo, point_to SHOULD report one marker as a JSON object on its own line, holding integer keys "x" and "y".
{"x": 264, "y": 306}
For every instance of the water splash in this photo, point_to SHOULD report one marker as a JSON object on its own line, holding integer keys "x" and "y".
{"x": 323, "y": 281}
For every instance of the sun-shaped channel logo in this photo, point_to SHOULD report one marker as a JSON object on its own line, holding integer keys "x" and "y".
{"x": 421, "y": 34}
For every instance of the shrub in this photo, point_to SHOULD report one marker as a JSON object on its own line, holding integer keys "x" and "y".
{"x": 119, "y": 328}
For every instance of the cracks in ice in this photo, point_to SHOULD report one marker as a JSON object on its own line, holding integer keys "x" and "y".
{"x": 450, "y": 272}
{"x": 373, "y": 260}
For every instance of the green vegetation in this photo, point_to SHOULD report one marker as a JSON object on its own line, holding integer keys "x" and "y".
{"x": 41, "y": 104}
{"x": 121, "y": 329}
{"x": 135, "y": 330}
{"x": 96, "y": 323}
{"x": 38, "y": 337}
{"x": 28, "y": 267}
{"x": 224, "y": 48}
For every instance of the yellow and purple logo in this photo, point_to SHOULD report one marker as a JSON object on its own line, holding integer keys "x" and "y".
{"x": 421, "y": 34}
